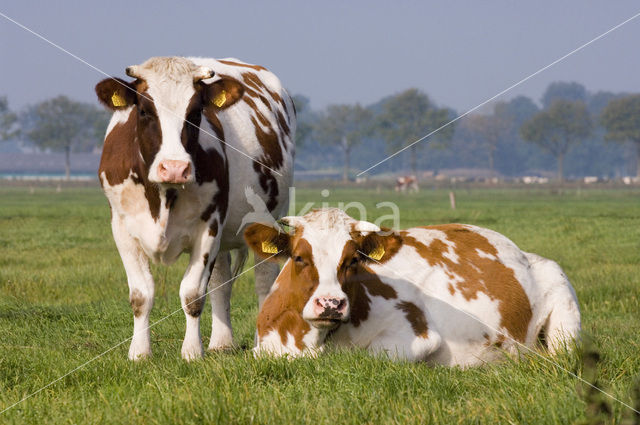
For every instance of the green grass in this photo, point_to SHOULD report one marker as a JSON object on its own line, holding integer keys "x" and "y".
{"x": 63, "y": 300}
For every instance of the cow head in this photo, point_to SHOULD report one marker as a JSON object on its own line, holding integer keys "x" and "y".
{"x": 327, "y": 253}
{"x": 169, "y": 97}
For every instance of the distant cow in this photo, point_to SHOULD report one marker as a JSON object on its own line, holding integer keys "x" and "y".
{"x": 452, "y": 294}
{"x": 187, "y": 136}
{"x": 405, "y": 183}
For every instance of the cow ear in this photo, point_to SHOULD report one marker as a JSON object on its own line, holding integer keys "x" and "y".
{"x": 115, "y": 93}
{"x": 223, "y": 93}
{"x": 268, "y": 242}
{"x": 381, "y": 246}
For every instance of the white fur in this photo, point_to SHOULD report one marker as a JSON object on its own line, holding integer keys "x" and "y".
{"x": 180, "y": 229}
{"x": 326, "y": 256}
{"x": 460, "y": 331}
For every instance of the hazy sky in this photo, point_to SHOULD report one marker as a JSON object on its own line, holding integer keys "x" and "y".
{"x": 460, "y": 53}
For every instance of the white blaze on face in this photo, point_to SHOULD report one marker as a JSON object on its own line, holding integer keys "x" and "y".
{"x": 170, "y": 85}
{"x": 327, "y": 232}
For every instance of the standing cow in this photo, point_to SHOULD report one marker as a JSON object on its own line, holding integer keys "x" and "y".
{"x": 187, "y": 137}
{"x": 452, "y": 294}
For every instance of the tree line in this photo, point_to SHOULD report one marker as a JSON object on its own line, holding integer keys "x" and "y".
{"x": 517, "y": 136}
{"x": 571, "y": 129}
{"x": 59, "y": 124}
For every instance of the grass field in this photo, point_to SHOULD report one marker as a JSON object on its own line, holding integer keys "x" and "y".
{"x": 63, "y": 301}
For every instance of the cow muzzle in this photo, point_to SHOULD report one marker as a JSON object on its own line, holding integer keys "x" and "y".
{"x": 174, "y": 172}
{"x": 329, "y": 311}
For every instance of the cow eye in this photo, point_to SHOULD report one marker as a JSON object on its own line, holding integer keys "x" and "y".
{"x": 298, "y": 260}
{"x": 354, "y": 262}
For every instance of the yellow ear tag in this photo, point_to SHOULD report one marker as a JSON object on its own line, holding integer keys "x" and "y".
{"x": 220, "y": 99}
{"x": 269, "y": 248}
{"x": 377, "y": 253}
{"x": 118, "y": 100}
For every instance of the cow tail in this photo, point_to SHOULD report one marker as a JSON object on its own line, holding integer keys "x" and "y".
{"x": 239, "y": 259}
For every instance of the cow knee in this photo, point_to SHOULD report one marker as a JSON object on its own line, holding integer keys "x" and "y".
{"x": 140, "y": 302}
{"x": 193, "y": 304}
{"x": 423, "y": 346}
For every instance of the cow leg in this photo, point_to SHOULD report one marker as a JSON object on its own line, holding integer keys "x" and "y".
{"x": 193, "y": 291}
{"x": 220, "y": 296}
{"x": 266, "y": 273}
{"x": 141, "y": 288}
{"x": 402, "y": 343}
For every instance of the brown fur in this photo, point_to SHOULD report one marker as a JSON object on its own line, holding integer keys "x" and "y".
{"x": 282, "y": 309}
{"x": 389, "y": 240}
{"x": 354, "y": 286}
{"x": 244, "y": 65}
{"x": 213, "y": 229}
{"x": 257, "y": 233}
{"x": 106, "y": 88}
{"x": 269, "y": 139}
{"x": 137, "y": 301}
{"x": 234, "y": 90}
{"x": 415, "y": 316}
{"x": 272, "y": 158}
{"x": 479, "y": 274}
{"x": 254, "y": 82}
{"x": 194, "y": 305}
{"x": 120, "y": 157}
{"x": 356, "y": 279}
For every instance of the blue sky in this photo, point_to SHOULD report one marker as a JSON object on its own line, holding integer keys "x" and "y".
{"x": 460, "y": 53}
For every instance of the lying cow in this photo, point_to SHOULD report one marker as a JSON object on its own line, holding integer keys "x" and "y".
{"x": 187, "y": 137}
{"x": 451, "y": 294}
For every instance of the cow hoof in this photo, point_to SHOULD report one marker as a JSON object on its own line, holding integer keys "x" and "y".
{"x": 136, "y": 356}
{"x": 220, "y": 348}
{"x": 221, "y": 341}
{"x": 190, "y": 353}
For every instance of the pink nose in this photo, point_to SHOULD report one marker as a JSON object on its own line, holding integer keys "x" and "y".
{"x": 330, "y": 307}
{"x": 172, "y": 171}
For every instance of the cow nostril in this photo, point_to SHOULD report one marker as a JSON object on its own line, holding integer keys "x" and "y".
{"x": 341, "y": 305}
{"x": 319, "y": 303}
{"x": 187, "y": 171}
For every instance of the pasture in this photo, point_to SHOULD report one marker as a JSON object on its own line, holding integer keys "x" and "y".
{"x": 63, "y": 301}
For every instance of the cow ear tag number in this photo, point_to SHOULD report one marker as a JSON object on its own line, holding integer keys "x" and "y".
{"x": 219, "y": 100}
{"x": 377, "y": 253}
{"x": 118, "y": 100}
{"x": 269, "y": 247}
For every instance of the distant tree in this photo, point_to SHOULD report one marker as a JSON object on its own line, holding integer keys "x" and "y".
{"x": 344, "y": 126}
{"x": 596, "y": 102}
{"x": 305, "y": 118}
{"x": 516, "y": 111}
{"x": 62, "y": 124}
{"x": 621, "y": 119}
{"x": 488, "y": 131}
{"x": 8, "y": 120}
{"x": 561, "y": 90}
{"x": 558, "y": 128}
{"x": 409, "y": 116}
